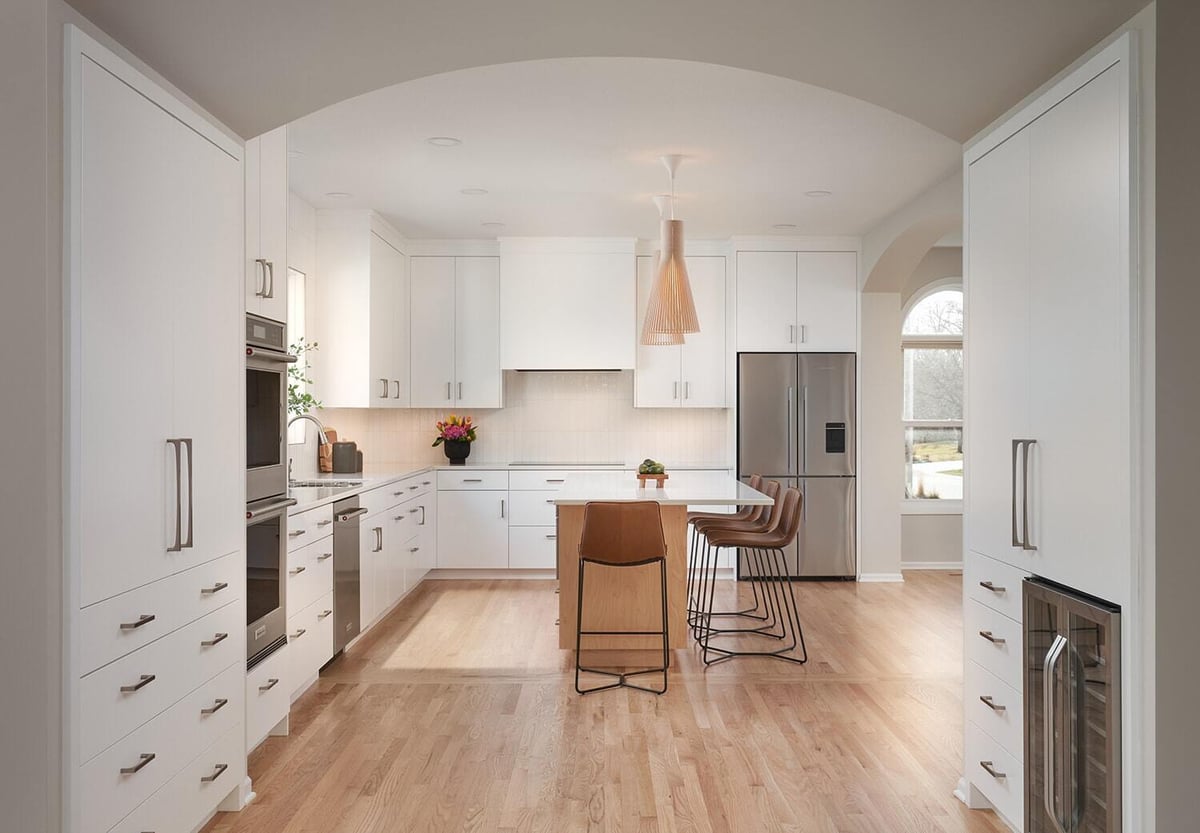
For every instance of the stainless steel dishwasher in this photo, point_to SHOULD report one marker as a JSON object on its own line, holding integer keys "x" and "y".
{"x": 346, "y": 624}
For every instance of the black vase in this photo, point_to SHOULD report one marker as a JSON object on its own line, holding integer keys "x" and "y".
{"x": 457, "y": 451}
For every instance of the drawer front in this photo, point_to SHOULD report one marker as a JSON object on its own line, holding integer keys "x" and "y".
{"x": 532, "y": 548}
{"x": 1003, "y": 584}
{"x": 1005, "y": 785}
{"x": 267, "y": 690}
{"x": 1002, "y": 719}
{"x": 310, "y": 574}
{"x": 404, "y": 521}
{"x": 532, "y": 509}
{"x": 999, "y": 651}
{"x": 122, "y": 696}
{"x": 472, "y": 479}
{"x": 384, "y": 497}
{"x": 310, "y": 641}
{"x": 306, "y": 528}
{"x": 120, "y": 625}
{"x": 173, "y": 739}
{"x": 535, "y": 481}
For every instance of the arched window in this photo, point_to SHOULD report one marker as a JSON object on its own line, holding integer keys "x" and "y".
{"x": 932, "y": 343}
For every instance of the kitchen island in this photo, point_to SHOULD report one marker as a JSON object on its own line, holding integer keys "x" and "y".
{"x": 627, "y": 599}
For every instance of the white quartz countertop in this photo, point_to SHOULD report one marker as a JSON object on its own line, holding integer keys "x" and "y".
{"x": 694, "y": 488}
{"x": 335, "y": 487}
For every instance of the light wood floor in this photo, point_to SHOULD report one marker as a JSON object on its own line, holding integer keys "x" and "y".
{"x": 458, "y": 714}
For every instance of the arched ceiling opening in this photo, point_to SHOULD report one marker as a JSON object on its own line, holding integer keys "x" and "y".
{"x": 951, "y": 65}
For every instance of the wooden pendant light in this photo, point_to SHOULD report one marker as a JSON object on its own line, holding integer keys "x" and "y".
{"x": 671, "y": 312}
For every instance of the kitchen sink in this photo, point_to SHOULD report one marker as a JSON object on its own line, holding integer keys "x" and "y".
{"x": 324, "y": 484}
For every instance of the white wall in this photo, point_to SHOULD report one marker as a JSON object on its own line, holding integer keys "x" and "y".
{"x": 880, "y": 437}
{"x": 931, "y": 542}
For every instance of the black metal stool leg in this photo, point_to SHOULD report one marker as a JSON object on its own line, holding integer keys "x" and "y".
{"x": 622, "y": 679}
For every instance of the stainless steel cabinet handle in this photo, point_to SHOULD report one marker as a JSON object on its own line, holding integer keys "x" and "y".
{"x": 804, "y": 334}
{"x": 987, "y": 585}
{"x": 447, "y": 390}
{"x": 501, "y": 507}
{"x": 297, "y": 571}
{"x": 216, "y": 640}
{"x": 217, "y": 705}
{"x": 271, "y": 683}
{"x": 397, "y": 494}
{"x": 143, "y": 759}
{"x": 413, "y": 487}
{"x": 674, "y": 390}
{"x": 426, "y": 482}
{"x": 216, "y": 588}
{"x": 991, "y": 770}
{"x": 191, "y": 506}
{"x": 384, "y": 383}
{"x": 270, "y": 267}
{"x": 791, "y": 333}
{"x": 143, "y": 681}
{"x": 1026, "y": 544}
{"x": 1048, "y": 723}
{"x": 460, "y": 390}
{"x": 208, "y": 779}
{"x": 399, "y": 517}
{"x": 473, "y": 480}
{"x": 995, "y": 640}
{"x": 178, "y": 545}
{"x": 144, "y": 619}
{"x": 325, "y": 522}
{"x": 299, "y": 633}
{"x": 415, "y": 549}
{"x": 986, "y": 699}
{"x": 422, "y": 523}
{"x": 414, "y": 510}
{"x": 378, "y": 530}
{"x": 556, "y": 480}
{"x": 296, "y": 533}
{"x": 550, "y": 500}
{"x": 1016, "y": 535}
{"x": 324, "y": 614}
{"x": 551, "y": 536}
{"x": 687, "y": 390}
{"x": 325, "y": 556}
{"x": 396, "y": 395}
{"x": 260, "y": 262}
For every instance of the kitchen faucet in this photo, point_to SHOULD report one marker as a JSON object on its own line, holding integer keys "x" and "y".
{"x": 321, "y": 438}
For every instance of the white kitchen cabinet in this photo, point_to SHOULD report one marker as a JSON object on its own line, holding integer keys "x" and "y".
{"x": 797, "y": 301}
{"x": 360, "y": 317}
{"x": 691, "y": 375}
{"x": 472, "y": 529}
{"x": 568, "y": 304}
{"x": 372, "y": 569}
{"x": 266, "y": 200}
{"x": 455, "y": 332}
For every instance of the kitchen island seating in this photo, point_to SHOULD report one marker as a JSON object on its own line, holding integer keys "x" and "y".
{"x": 766, "y": 545}
{"x": 617, "y": 535}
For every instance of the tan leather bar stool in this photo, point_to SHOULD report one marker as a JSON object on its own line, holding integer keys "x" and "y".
{"x": 759, "y": 521}
{"x": 744, "y": 513}
{"x": 769, "y": 544}
{"x": 620, "y": 534}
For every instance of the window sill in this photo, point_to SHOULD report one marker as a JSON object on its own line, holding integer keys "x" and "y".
{"x": 931, "y": 507}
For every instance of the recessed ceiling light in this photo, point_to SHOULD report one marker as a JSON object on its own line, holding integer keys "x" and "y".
{"x": 443, "y": 141}
{"x": 818, "y": 192}
{"x": 492, "y": 224}
{"x": 784, "y": 226}
{"x": 473, "y": 192}
{"x": 339, "y": 195}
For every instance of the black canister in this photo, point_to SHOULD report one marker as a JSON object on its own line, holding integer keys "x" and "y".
{"x": 345, "y": 457}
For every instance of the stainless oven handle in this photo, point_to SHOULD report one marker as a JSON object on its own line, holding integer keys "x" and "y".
{"x": 178, "y": 545}
{"x": 273, "y": 508}
{"x": 1048, "y": 721}
{"x": 267, "y": 355}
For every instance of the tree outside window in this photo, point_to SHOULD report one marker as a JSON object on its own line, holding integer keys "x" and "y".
{"x": 932, "y": 344}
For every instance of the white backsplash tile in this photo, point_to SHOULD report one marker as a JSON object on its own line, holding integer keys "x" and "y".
{"x": 548, "y": 417}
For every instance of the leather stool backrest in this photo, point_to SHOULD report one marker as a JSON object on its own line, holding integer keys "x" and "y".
{"x": 622, "y": 532}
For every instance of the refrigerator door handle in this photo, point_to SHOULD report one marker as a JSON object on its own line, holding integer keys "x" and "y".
{"x": 790, "y": 393}
{"x": 1049, "y": 721}
{"x": 804, "y": 429}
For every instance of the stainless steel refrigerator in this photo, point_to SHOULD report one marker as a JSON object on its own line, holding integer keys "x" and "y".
{"x": 1072, "y": 711}
{"x": 796, "y": 424}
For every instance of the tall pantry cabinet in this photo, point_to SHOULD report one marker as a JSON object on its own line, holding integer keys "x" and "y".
{"x": 1051, "y": 308}
{"x": 153, "y": 522}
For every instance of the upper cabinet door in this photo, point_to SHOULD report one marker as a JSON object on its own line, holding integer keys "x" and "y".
{"x": 997, "y": 354}
{"x": 766, "y": 301}
{"x": 826, "y": 301}
{"x": 703, "y": 353}
{"x": 266, "y": 225}
{"x": 478, "y": 381}
{"x": 657, "y": 379}
{"x": 386, "y": 329}
{"x": 1079, "y": 326}
{"x": 431, "y": 335}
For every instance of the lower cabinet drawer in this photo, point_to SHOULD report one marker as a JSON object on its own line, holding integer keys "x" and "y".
{"x": 267, "y": 695}
{"x": 195, "y": 792}
{"x": 995, "y": 707}
{"x": 119, "y": 697}
{"x": 129, "y": 772}
{"x": 532, "y": 509}
{"x": 996, "y": 774}
{"x": 532, "y": 547}
{"x": 994, "y": 584}
{"x": 310, "y": 642}
{"x": 310, "y": 574}
{"x": 994, "y": 641}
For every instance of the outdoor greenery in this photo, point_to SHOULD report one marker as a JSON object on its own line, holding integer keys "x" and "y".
{"x": 300, "y": 401}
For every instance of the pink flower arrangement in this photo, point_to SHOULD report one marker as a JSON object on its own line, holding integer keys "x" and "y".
{"x": 455, "y": 429}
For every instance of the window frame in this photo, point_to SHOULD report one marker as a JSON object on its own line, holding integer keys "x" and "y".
{"x": 948, "y": 341}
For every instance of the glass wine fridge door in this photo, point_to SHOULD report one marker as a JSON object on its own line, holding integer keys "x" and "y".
{"x": 1072, "y": 712}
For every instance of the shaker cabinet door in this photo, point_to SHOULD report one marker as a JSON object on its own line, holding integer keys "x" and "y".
{"x": 702, "y": 376}
{"x": 656, "y": 381}
{"x": 766, "y": 301}
{"x": 477, "y": 332}
{"x": 431, "y": 306}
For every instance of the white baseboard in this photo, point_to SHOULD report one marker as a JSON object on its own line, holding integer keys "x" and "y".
{"x": 491, "y": 575}
{"x": 931, "y": 565}
{"x": 880, "y": 578}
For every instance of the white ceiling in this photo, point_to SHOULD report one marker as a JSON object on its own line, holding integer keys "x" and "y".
{"x": 954, "y": 65}
{"x": 571, "y": 146}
